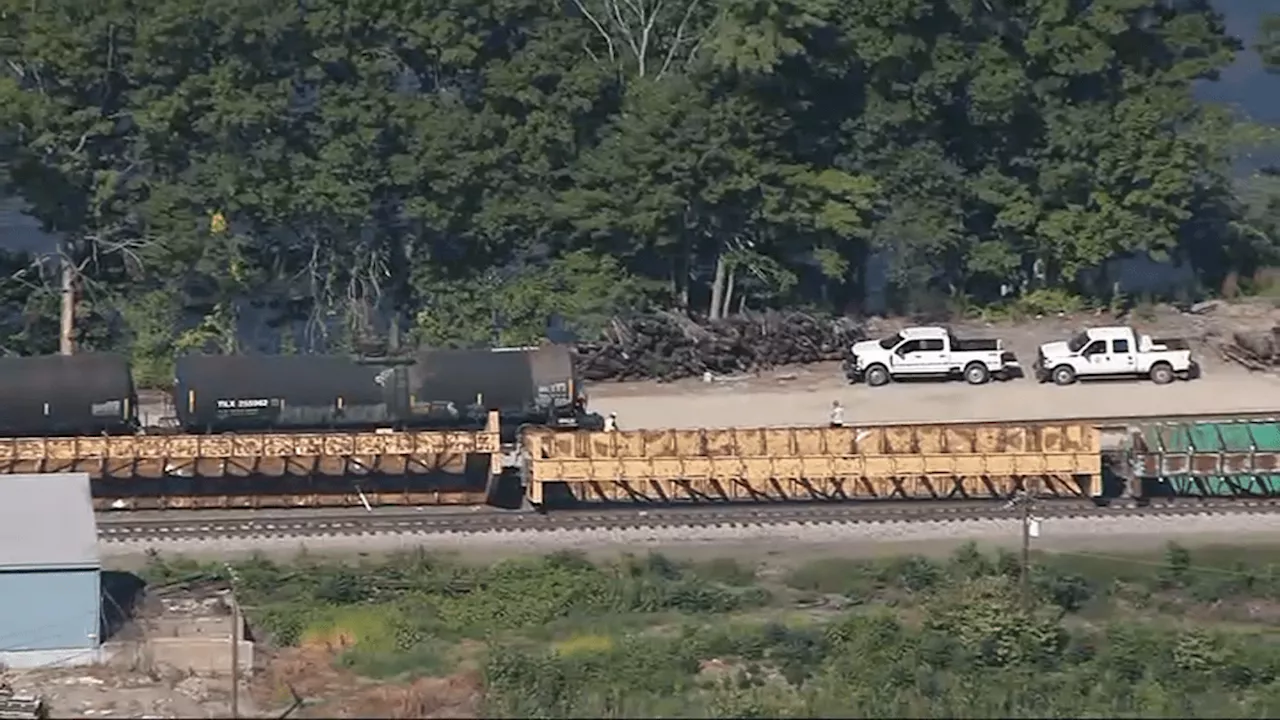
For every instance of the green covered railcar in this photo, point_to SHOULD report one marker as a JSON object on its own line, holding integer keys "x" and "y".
{"x": 1233, "y": 459}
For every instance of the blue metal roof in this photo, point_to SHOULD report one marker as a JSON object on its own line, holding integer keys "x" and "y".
{"x": 47, "y": 522}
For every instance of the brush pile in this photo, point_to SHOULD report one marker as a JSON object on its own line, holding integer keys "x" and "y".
{"x": 1254, "y": 350}
{"x": 665, "y": 346}
{"x": 19, "y": 705}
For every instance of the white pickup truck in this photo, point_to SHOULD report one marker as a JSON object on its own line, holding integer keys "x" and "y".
{"x": 929, "y": 352}
{"x": 1115, "y": 352}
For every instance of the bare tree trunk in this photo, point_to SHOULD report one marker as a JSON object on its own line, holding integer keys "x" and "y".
{"x": 717, "y": 288}
{"x": 728, "y": 293}
{"x": 393, "y": 334}
{"x": 400, "y": 253}
{"x": 685, "y": 272}
{"x": 67, "y": 333}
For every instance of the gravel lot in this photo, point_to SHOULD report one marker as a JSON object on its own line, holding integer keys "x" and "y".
{"x": 804, "y": 396}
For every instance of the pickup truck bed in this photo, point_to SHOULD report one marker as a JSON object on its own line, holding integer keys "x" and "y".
{"x": 1171, "y": 343}
{"x": 974, "y": 345}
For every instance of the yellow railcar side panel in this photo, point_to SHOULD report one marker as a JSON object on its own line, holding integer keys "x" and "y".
{"x": 722, "y": 443}
{"x": 687, "y": 443}
{"x": 713, "y": 490}
{"x": 756, "y": 470}
{"x": 789, "y": 442}
{"x": 972, "y": 465}
{"x": 777, "y": 442}
{"x": 698, "y": 468}
{"x": 990, "y": 440}
{"x": 903, "y": 461}
{"x": 780, "y": 467}
{"x": 808, "y": 441}
{"x": 750, "y": 443}
{"x": 848, "y": 466}
{"x": 160, "y": 447}
{"x": 958, "y": 440}
{"x": 746, "y": 469}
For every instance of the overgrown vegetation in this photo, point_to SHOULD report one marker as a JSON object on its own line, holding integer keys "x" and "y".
{"x": 1183, "y": 635}
{"x": 454, "y": 171}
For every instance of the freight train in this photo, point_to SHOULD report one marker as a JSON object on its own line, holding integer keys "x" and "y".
{"x": 94, "y": 393}
{"x": 942, "y": 462}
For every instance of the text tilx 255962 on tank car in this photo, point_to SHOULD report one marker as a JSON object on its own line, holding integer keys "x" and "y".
{"x": 245, "y": 403}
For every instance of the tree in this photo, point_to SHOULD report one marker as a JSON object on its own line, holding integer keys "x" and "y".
{"x": 452, "y": 168}
{"x": 1268, "y": 43}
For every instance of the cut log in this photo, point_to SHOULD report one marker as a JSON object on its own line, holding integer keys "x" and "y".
{"x": 665, "y": 346}
{"x": 1261, "y": 345}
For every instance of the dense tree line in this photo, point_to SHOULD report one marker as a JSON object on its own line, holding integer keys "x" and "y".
{"x": 436, "y": 170}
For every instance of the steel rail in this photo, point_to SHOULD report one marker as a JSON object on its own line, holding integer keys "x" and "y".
{"x": 289, "y": 525}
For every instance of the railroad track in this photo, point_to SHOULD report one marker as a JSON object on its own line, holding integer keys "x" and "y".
{"x": 298, "y": 524}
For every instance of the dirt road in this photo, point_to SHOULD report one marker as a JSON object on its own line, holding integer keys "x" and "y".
{"x": 803, "y": 397}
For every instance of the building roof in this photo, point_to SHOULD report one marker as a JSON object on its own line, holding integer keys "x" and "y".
{"x": 47, "y": 521}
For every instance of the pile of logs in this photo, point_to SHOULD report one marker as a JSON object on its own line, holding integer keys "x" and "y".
{"x": 665, "y": 346}
{"x": 1254, "y": 350}
{"x": 21, "y": 706}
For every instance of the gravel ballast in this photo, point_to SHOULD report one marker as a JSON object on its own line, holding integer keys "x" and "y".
{"x": 783, "y": 536}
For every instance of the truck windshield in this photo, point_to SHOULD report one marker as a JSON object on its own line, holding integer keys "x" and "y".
{"x": 889, "y": 342}
{"x": 1077, "y": 343}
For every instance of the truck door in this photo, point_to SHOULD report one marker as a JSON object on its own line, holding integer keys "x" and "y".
{"x": 1122, "y": 359}
{"x": 901, "y": 357}
{"x": 914, "y": 357}
{"x": 934, "y": 355}
{"x": 1095, "y": 358}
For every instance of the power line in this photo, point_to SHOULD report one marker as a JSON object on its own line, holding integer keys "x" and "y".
{"x": 1163, "y": 565}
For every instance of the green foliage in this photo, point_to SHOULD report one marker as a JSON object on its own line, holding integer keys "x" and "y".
{"x": 1268, "y": 42}
{"x": 985, "y": 618}
{"x": 1177, "y": 565}
{"x": 583, "y": 288}
{"x": 648, "y": 636}
{"x": 419, "y": 169}
{"x": 424, "y": 598}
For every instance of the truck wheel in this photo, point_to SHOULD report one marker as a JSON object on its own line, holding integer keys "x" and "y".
{"x": 1063, "y": 375}
{"x": 1162, "y": 374}
{"x": 877, "y": 375}
{"x": 977, "y": 374}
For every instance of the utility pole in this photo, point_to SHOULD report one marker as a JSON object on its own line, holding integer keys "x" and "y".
{"x": 235, "y": 658}
{"x": 1025, "y": 575}
{"x": 1026, "y": 501}
{"x": 237, "y": 623}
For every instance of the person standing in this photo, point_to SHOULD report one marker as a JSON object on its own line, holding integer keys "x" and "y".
{"x": 837, "y": 414}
